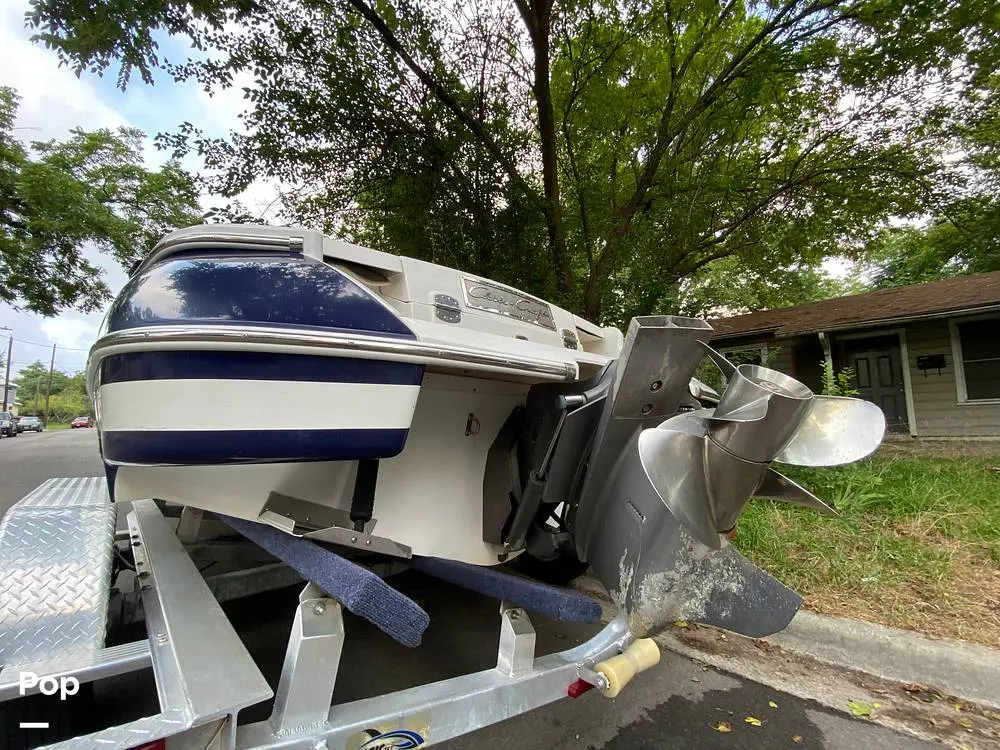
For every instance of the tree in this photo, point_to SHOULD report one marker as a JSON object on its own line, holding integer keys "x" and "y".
{"x": 964, "y": 240}
{"x": 91, "y": 190}
{"x": 66, "y": 406}
{"x": 33, "y": 379}
{"x": 598, "y": 153}
{"x": 730, "y": 287}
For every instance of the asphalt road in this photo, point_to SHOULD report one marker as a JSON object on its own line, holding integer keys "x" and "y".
{"x": 32, "y": 457}
{"x": 677, "y": 705}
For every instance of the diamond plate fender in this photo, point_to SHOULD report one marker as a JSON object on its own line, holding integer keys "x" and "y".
{"x": 56, "y": 548}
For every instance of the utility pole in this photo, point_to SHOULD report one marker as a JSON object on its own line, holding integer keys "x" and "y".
{"x": 48, "y": 388}
{"x": 6, "y": 376}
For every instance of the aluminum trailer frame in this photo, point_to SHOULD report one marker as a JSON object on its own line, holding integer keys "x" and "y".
{"x": 60, "y": 540}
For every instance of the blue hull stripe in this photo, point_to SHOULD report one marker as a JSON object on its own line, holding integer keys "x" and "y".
{"x": 208, "y": 365}
{"x": 213, "y": 447}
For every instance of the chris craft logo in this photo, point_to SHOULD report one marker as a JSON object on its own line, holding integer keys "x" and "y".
{"x": 497, "y": 299}
{"x": 397, "y": 739}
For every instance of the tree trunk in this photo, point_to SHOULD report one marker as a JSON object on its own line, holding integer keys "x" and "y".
{"x": 537, "y": 18}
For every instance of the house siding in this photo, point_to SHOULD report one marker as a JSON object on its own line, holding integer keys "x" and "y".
{"x": 935, "y": 396}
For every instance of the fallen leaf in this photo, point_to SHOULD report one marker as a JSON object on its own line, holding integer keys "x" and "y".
{"x": 876, "y": 705}
{"x": 797, "y": 738}
{"x": 772, "y": 704}
{"x": 959, "y": 706}
{"x": 914, "y": 687}
{"x": 695, "y": 679}
{"x": 723, "y": 726}
{"x": 681, "y": 623}
{"x": 991, "y": 715}
{"x": 858, "y": 708}
{"x": 753, "y": 721}
{"x": 966, "y": 723}
{"x": 965, "y": 747}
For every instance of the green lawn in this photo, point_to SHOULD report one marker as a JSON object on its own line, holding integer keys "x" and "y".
{"x": 917, "y": 544}
{"x": 57, "y": 426}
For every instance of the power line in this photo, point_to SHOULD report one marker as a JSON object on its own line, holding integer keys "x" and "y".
{"x": 64, "y": 348}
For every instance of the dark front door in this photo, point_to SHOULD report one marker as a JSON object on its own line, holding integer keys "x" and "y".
{"x": 879, "y": 376}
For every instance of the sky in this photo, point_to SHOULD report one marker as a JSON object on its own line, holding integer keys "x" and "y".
{"x": 54, "y": 100}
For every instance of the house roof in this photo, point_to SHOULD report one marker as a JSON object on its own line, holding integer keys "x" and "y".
{"x": 934, "y": 299}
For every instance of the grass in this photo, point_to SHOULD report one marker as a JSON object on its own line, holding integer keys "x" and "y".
{"x": 917, "y": 544}
{"x": 57, "y": 426}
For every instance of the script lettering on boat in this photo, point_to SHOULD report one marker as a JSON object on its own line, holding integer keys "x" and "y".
{"x": 503, "y": 301}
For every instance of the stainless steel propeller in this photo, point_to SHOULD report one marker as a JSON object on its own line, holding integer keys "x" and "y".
{"x": 661, "y": 488}
{"x": 706, "y": 465}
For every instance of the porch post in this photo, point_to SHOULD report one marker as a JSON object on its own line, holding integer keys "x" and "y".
{"x": 827, "y": 352}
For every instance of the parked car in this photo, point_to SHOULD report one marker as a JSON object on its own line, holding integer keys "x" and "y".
{"x": 82, "y": 422}
{"x": 29, "y": 424}
{"x": 7, "y": 426}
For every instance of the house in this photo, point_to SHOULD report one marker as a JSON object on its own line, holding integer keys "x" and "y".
{"x": 927, "y": 354}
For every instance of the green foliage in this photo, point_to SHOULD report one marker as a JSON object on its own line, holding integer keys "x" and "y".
{"x": 89, "y": 190}
{"x": 622, "y": 159}
{"x": 965, "y": 240}
{"x": 731, "y": 286}
{"x": 910, "y": 532}
{"x": 66, "y": 406}
{"x": 69, "y": 392}
{"x": 840, "y": 383}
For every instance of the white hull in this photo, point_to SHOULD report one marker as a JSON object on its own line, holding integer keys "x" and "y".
{"x": 245, "y": 362}
{"x": 429, "y": 497}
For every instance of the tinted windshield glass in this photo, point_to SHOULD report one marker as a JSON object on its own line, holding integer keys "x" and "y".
{"x": 5, "y": 415}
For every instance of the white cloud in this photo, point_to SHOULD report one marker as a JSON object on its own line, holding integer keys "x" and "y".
{"x": 72, "y": 330}
{"x": 53, "y": 99}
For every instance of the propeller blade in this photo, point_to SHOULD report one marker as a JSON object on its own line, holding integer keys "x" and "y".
{"x": 779, "y": 487}
{"x": 835, "y": 431}
{"x": 727, "y": 367}
{"x": 674, "y": 462}
{"x": 753, "y": 411}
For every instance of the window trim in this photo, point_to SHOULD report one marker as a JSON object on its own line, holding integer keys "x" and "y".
{"x": 762, "y": 348}
{"x": 958, "y": 364}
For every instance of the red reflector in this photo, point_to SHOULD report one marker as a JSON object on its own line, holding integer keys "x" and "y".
{"x": 578, "y": 688}
{"x": 154, "y": 745}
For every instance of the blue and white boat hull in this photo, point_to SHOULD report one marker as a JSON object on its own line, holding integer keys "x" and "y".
{"x": 242, "y": 363}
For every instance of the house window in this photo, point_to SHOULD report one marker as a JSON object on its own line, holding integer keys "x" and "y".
{"x": 979, "y": 350}
{"x": 751, "y": 355}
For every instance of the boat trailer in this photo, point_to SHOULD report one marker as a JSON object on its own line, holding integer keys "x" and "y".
{"x": 60, "y": 549}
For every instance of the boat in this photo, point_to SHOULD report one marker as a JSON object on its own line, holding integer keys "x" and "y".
{"x": 390, "y": 407}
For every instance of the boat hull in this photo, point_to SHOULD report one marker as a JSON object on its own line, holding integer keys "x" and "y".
{"x": 212, "y": 408}
{"x": 428, "y": 497}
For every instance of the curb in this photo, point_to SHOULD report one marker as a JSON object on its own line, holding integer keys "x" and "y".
{"x": 961, "y": 669}
{"x": 957, "y": 668}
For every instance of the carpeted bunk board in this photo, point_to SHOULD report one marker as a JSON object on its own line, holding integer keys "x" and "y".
{"x": 368, "y": 596}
